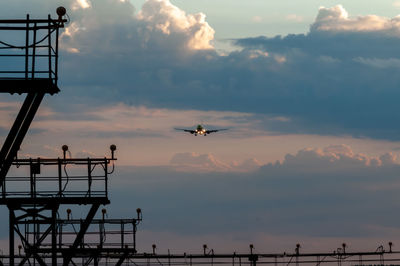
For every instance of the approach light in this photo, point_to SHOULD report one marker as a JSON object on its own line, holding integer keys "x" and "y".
{"x": 61, "y": 11}
{"x": 68, "y": 213}
{"x": 113, "y": 148}
{"x": 103, "y": 212}
{"x": 297, "y": 248}
{"x": 65, "y": 149}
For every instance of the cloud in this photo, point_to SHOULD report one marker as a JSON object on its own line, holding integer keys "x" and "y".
{"x": 161, "y": 15}
{"x": 247, "y": 165}
{"x": 294, "y": 17}
{"x": 85, "y": 154}
{"x": 81, "y": 4}
{"x": 325, "y": 82}
{"x": 330, "y": 192}
{"x": 114, "y": 24}
{"x": 334, "y": 158}
{"x": 191, "y": 161}
{"x": 337, "y": 19}
{"x": 202, "y": 162}
{"x": 389, "y": 63}
{"x": 336, "y": 62}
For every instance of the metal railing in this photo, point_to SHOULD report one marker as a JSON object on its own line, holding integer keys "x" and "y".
{"x": 58, "y": 178}
{"x": 33, "y": 52}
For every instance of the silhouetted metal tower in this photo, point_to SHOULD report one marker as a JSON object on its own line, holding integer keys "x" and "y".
{"x": 34, "y": 60}
{"x": 34, "y": 200}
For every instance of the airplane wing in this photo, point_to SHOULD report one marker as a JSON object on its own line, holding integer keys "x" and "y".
{"x": 191, "y": 131}
{"x": 215, "y": 130}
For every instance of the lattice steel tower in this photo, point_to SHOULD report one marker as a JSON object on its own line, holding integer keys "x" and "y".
{"x": 30, "y": 66}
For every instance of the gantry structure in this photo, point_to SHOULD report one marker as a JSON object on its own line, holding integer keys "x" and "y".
{"x": 37, "y": 189}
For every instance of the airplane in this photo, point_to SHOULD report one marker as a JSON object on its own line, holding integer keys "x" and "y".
{"x": 200, "y": 130}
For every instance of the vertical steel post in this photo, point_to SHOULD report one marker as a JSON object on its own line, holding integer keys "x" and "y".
{"x": 59, "y": 177}
{"x": 122, "y": 234}
{"x": 89, "y": 176}
{"x": 31, "y": 176}
{"x": 27, "y": 47}
{"x": 54, "y": 236}
{"x": 11, "y": 235}
{"x": 49, "y": 50}
{"x": 56, "y": 59}
{"x": 106, "y": 176}
{"x": 33, "y": 51}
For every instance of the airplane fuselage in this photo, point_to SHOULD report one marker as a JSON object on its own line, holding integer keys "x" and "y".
{"x": 200, "y": 130}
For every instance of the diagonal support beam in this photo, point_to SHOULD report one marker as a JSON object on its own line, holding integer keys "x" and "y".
{"x": 81, "y": 234}
{"x": 33, "y": 250}
{"x": 18, "y": 132}
{"x": 122, "y": 259}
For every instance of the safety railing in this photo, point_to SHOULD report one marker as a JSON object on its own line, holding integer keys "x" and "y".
{"x": 58, "y": 178}
{"x": 29, "y": 50}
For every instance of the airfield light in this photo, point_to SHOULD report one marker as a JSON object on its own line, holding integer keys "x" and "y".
{"x": 61, "y": 11}
{"x": 390, "y": 246}
{"x": 139, "y": 213}
{"x": 103, "y": 212}
{"x": 113, "y": 148}
{"x": 65, "y": 149}
{"x": 154, "y": 249}
{"x": 68, "y": 213}
{"x": 297, "y": 248}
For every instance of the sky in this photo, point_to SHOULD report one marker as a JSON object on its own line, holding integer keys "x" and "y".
{"x": 308, "y": 90}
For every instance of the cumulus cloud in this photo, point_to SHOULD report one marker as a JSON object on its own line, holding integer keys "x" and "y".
{"x": 191, "y": 161}
{"x": 334, "y": 158}
{"x": 162, "y": 16}
{"x": 329, "y": 192}
{"x": 337, "y": 19}
{"x": 338, "y": 79}
{"x": 338, "y": 65}
{"x": 115, "y": 25}
{"x": 202, "y": 162}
